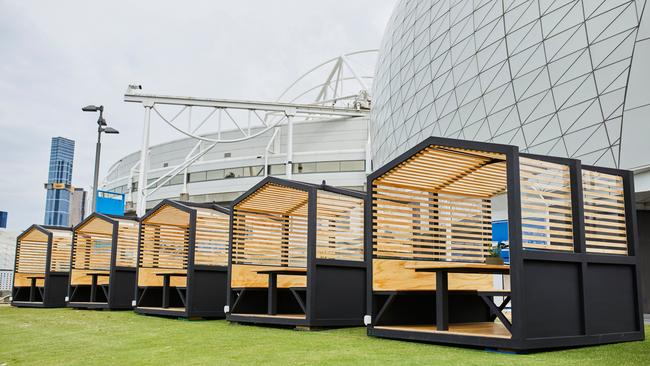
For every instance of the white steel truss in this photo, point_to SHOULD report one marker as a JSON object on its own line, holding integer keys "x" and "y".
{"x": 344, "y": 94}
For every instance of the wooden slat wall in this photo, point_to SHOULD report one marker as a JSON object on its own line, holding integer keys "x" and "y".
{"x": 127, "y": 244}
{"x": 393, "y": 275}
{"x": 247, "y": 276}
{"x": 31, "y": 253}
{"x": 61, "y": 251}
{"x": 92, "y": 251}
{"x": 164, "y": 239}
{"x": 270, "y": 227}
{"x": 164, "y": 246}
{"x": 212, "y": 235}
{"x": 604, "y": 210}
{"x": 450, "y": 170}
{"x": 339, "y": 227}
{"x": 413, "y": 224}
{"x": 547, "y": 221}
{"x": 269, "y": 239}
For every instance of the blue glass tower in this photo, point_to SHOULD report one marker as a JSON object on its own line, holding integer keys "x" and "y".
{"x": 59, "y": 182}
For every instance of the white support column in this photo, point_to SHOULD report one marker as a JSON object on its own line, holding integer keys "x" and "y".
{"x": 369, "y": 150}
{"x": 289, "y": 164}
{"x": 184, "y": 194}
{"x": 144, "y": 161}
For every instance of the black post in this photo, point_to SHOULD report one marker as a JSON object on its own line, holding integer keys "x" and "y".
{"x": 442, "y": 298}
{"x": 32, "y": 289}
{"x": 165, "y": 289}
{"x": 272, "y": 294}
{"x": 93, "y": 287}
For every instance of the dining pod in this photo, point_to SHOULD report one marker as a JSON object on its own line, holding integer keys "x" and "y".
{"x": 183, "y": 260}
{"x": 103, "y": 263}
{"x": 42, "y": 267}
{"x": 572, "y": 277}
{"x": 296, "y": 255}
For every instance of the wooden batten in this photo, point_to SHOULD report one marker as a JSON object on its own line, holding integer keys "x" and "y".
{"x": 339, "y": 233}
{"x": 604, "y": 210}
{"x": 31, "y": 254}
{"x": 435, "y": 206}
{"x": 165, "y": 241}
{"x": 270, "y": 228}
{"x": 93, "y": 248}
{"x": 127, "y": 243}
{"x": 546, "y": 206}
{"x": 270, "y": 231}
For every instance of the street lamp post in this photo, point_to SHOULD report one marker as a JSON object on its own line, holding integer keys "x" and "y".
{"x": 101, "y": 127}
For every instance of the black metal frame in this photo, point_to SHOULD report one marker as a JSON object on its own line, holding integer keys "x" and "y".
{"x": 121, "y": 280}
{"x": 335, "y": 288}
{"x": 204, "y": 296}
{"x": 601, "y": 294}
{"x": 54, "y": 283}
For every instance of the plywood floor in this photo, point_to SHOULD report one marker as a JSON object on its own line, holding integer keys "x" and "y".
{"x": 182, "y": 310}
{"x": 481, "y": 329}
{"x": 286, "y": 316}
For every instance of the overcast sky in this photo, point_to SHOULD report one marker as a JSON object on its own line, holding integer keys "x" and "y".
{"x": 59, "y": 56}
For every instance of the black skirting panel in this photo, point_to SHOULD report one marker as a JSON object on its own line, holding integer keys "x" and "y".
{"x": 205, "y": 297}
{"x": 117, "y": 295}
{"x": 52, "y": 295}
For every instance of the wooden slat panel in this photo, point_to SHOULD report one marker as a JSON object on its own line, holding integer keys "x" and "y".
{"x": 604, "y": 213}
{"x": 92, "y": 247}
{"x": 212, "y": 235}
{"x": 394, "y": 275}
{"x": 61, "y": 250}
{"x": 127, "y": 244}
{"x": 457, "y": 171}
{"x": 339, "y": 227}
{"x": 246, "y": 276}
{"x": 414, "y": 224}
{"x": 23, "y": 280}
{"x": 546, "y": 205}
{"x": 31, "y": 252}
{"x": 269, "y": 239}
{"x": 148, "y": 277}
{"x": 164, "y": 242}
{"x": 82, "y": 277}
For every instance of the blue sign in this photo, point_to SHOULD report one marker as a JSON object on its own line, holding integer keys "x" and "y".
{"x": 110, "y": 203}
{"x": 500, "y": 231}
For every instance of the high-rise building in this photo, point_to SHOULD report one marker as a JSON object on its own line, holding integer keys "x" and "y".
{"x": 77, "y": 206}
{"x": 59, "y": 182}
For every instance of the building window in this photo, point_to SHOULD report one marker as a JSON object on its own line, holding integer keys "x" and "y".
{"x": 215, "y": 174}
{"x": 197, "y": 176}
{"x": 301, "y": 168}
{"x": 178, "y": 179}
{"x": 233, "y": 173}
{"x": 353, "y": 166}
{"x": 328, "y": 166}
{"x": 276, "y": 169}
{"x": 255, "y": 171}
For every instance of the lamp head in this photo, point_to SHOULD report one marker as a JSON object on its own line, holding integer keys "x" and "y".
{"x": 110, "y": 130}
{"x": 92, "y": 108}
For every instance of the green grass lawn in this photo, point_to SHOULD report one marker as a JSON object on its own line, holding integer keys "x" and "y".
{"x": 78, "y": 337}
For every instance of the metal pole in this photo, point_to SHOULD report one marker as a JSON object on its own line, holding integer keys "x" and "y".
{"x": 144, "y": 153}
{"x": 98, "y": 150}
{"x": 289, "y": 164}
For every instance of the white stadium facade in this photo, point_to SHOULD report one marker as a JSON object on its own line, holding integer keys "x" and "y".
{"x": 566, "y": 78}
